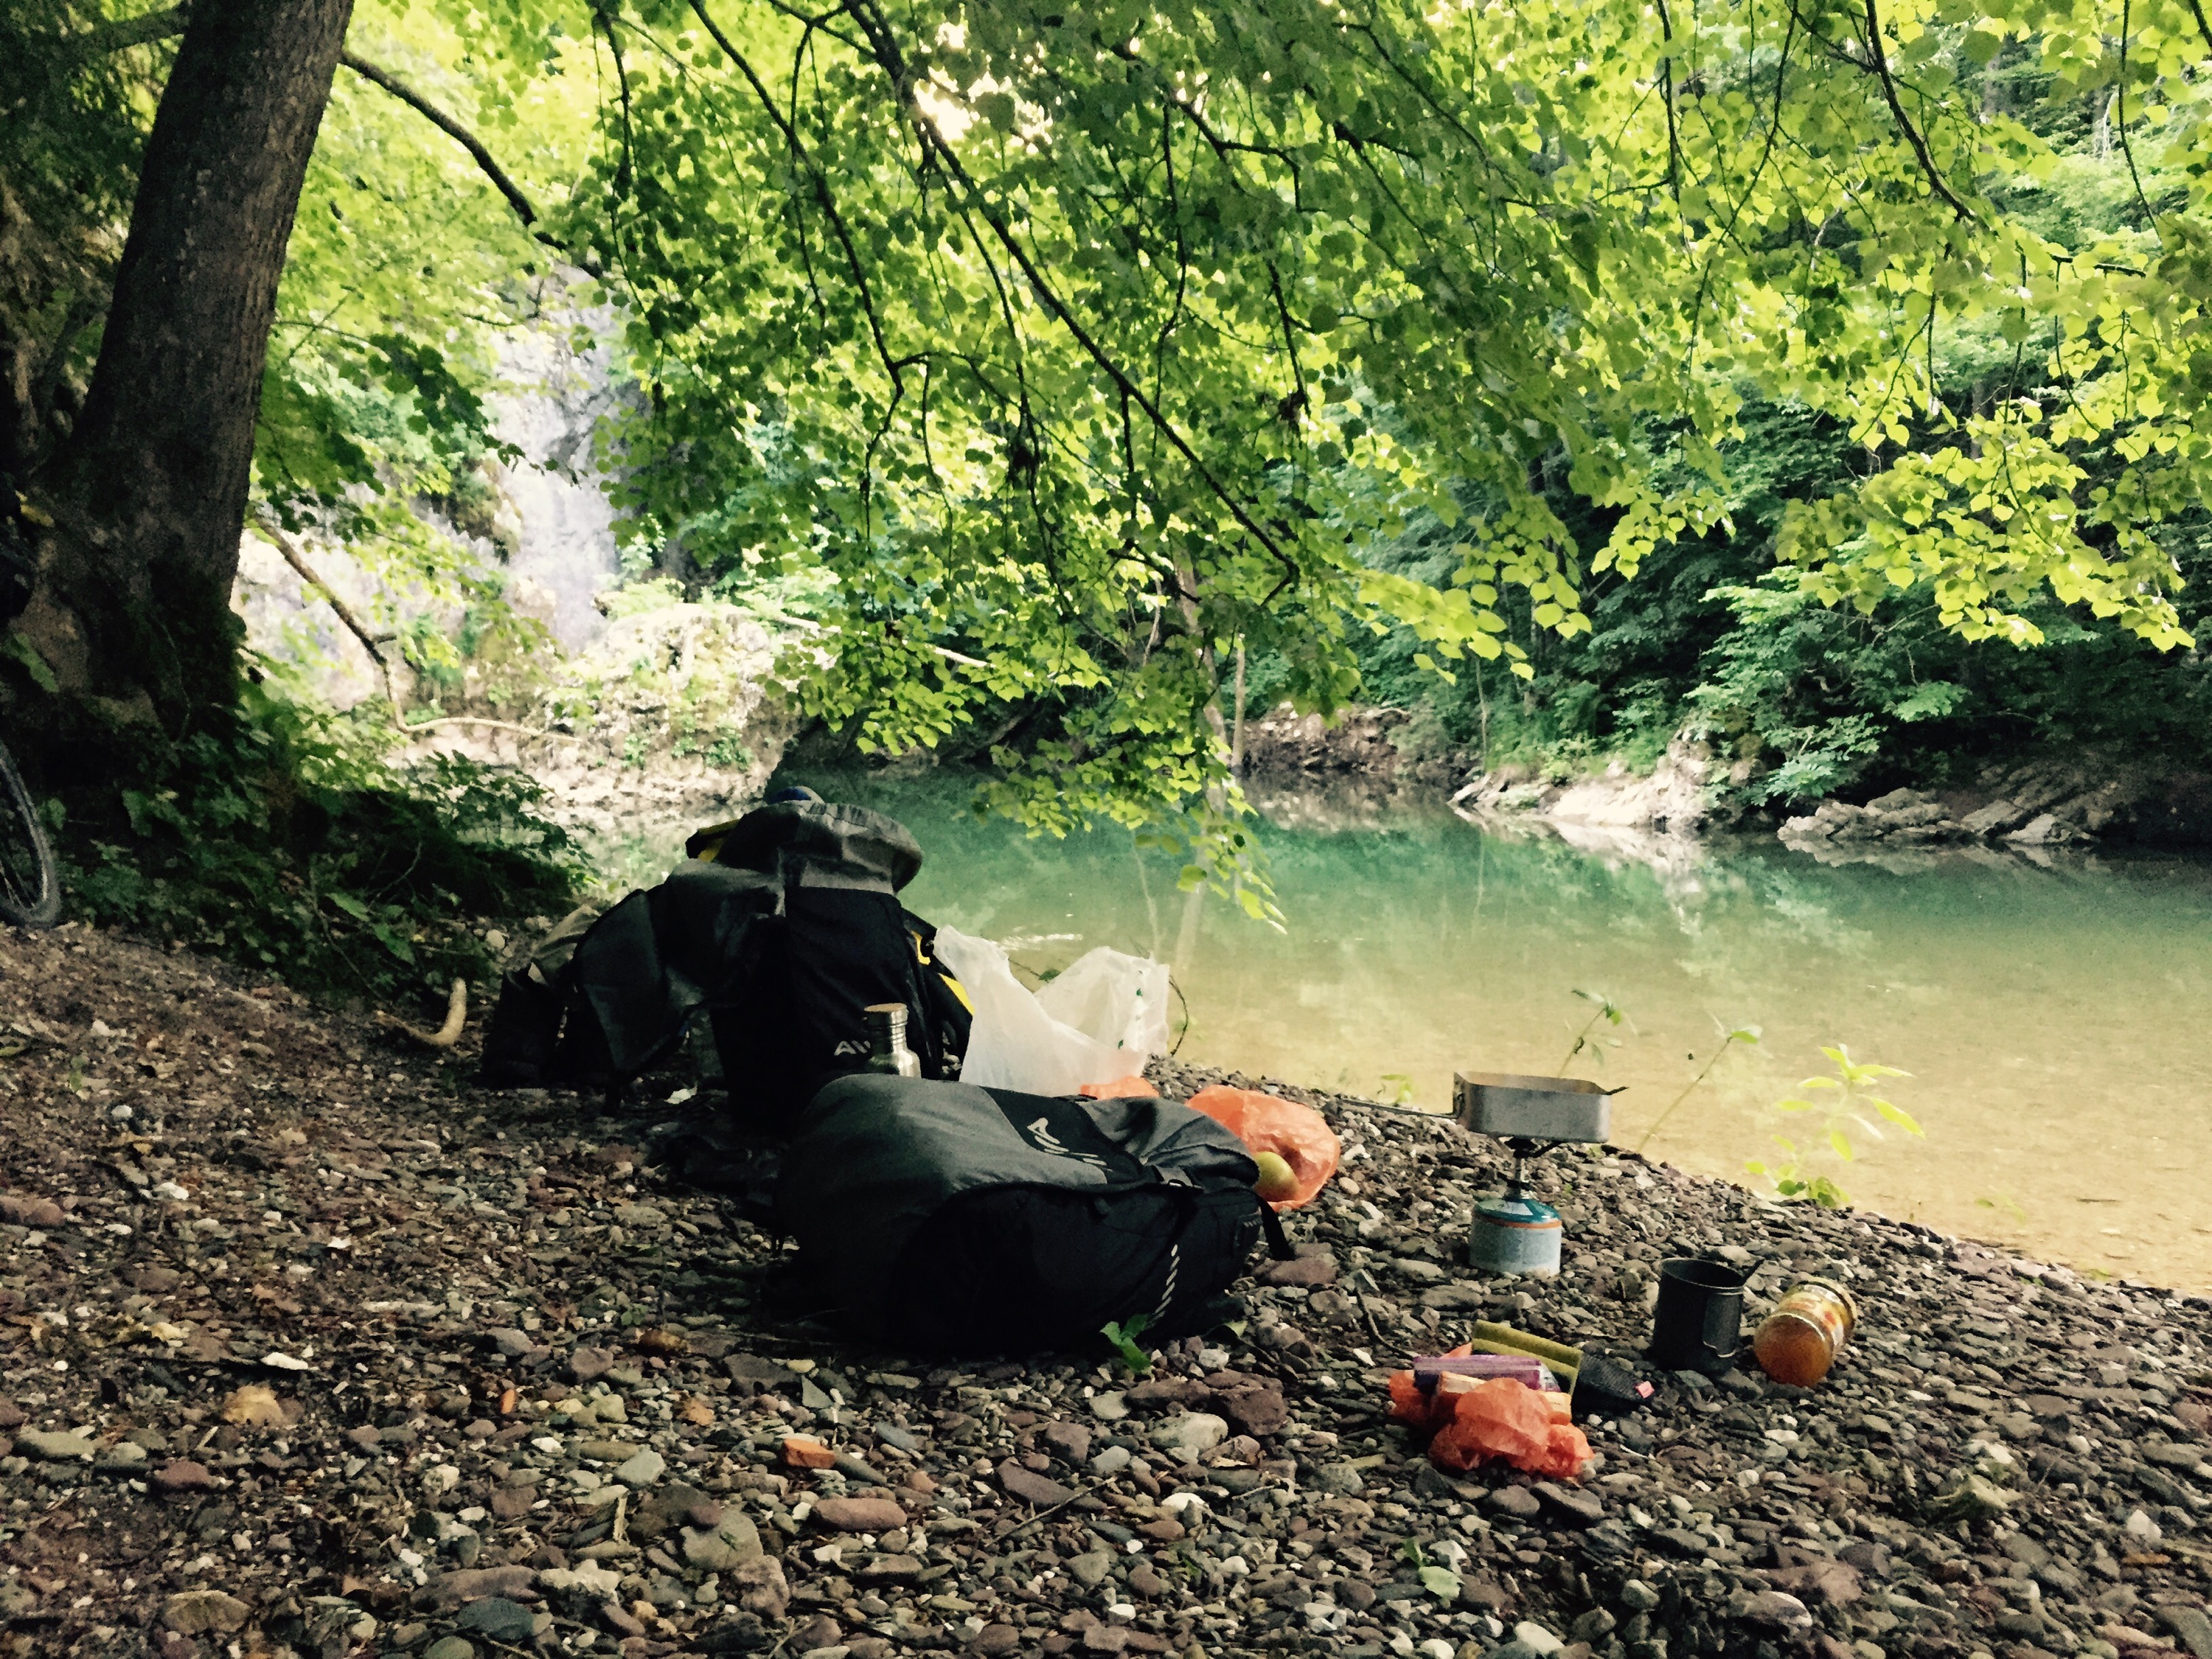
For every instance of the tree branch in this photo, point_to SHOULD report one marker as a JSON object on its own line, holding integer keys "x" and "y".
{"x": 290, "y": 551}
{"x": 1879, "y": 65}
{"x": 121, "y": 36}
{"x": 453, "y": 129}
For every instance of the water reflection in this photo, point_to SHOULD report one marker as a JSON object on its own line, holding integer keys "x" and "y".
{"x": 2046, "y": 1007}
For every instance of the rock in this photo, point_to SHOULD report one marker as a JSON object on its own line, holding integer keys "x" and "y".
{"x": 1639, "y": 1597}
{"x": 1109, "y": 1408}
{"x": 498, "y": 1620}
{"x": 205, "y": 1613}
{"x": 451, "y": 1647}
{"x": 1517, "y": 1501}
{"x": 753, "y": 1374}
{"x": 1069, "y": 1442}
{"x": 860, "y": 1513}
{"x": 254, "y": 1406}
{"x": 1535, "y": 1638}
{"x": 1773, "y": 1610}
{"x": 1190, "y": 1435}
{"x": 452, "y": 1590}
{"x": 1031, "y": 1487}
{"x": 760, "y": 1587}
{"x": 1575, "y": 1507}
{"x": 995, "y": 1640}
{"x": 1258, "y": 1411}
{"x": 1091, "y": 1570}
{"x": 1834, "y": 1583}
{"x": 575, "y": 1588}
{"x": 1111, "y": 1462}
{"x": 121, "y": 1458}
{"x": 719, "y": 1548}
{"x": 54, "y": 1445}
{"x": 588, "y": 1364}
{"x": 2190, "y": 1626}
{"x": 1309, "y": 1271}
{"x": 893, "y": 1570}
{"x": 641, "y": 1470}
{"x": 182, "y": 1476}
{"x": 1341, "y": 1480}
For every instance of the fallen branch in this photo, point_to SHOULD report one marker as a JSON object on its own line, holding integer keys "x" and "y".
{"x": 475, "y": 719}
{"x": 457, "y": 1014}
{"x": 285, "y": 545}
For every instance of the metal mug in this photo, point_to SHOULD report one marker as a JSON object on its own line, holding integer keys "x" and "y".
{"x": 1699, "y": 1324}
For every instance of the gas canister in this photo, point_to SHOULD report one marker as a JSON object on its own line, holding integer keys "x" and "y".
{"x": 1515, "y": 1234}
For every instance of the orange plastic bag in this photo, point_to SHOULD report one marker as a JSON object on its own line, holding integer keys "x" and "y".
{"x": 1120, "y": 1088}
{"x": 1298, "y": 1134}
{"x": 1505, "y": 1419}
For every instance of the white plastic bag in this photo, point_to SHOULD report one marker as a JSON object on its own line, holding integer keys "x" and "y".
{"x": 1116, "y": 1000}
{"x": 1110, "y": 1020}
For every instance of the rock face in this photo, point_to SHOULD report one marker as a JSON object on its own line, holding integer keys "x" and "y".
{"x": 1670, "y": 800}
{"x": 2049, "y": 801}
{"x": 1360, "y": 741}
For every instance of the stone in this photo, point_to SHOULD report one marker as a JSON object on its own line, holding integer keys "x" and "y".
{"x": 1308, "y": 1271}
{"x": 1257, "y": 1411}
{"x": 1031, "y": 1487}
{"x": 588, "y": 1364}
{"x": 1110, "y": 1462}
{"x": 1535, "y": 1638}
{"x": 1639, "y": 1597}
{"x": 451, "y": 1647}
{"x": 641, "y": 1470}
{"x": 581, "y": 1586}
{"x": 1832, "y": 1583}
{"x": 760, "y": 1587}
{"x": 54, "y": 1445}
{"x": 1069, "y": 1442}
{"x": 454, "y": 1589}
{"x": 511, "y": 1502}
{"x": 860, "y": 1513}
{"x": 1575, "y": 1507}
{"x": 205, "y": 1613}
{"x": 2190, "y": 1627}
{"x": 498, "y": 1620}
{"x": 1091, "y": 1570}
{"x": 734, "y": 1540}
{"x": 893, "y": 1570}
{"x": 1774, "y": 1610}
{"x": 1190, "y": 1435}
{"x": 996, "y": 1640}
{"x": 1339, "y": 1479}
{"x": 182, "y": 1476}
{"x": 1517, "y": 1501}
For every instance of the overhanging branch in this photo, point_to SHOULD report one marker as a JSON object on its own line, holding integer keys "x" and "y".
{"x": 454, "y": 130}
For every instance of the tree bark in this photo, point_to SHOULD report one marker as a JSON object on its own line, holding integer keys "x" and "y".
{"x": 132, "y": 617}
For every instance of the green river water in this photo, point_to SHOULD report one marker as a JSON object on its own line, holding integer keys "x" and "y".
{"x": 2051, "y": 1014}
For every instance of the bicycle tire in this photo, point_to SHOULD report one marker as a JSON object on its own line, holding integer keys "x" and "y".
{"x": 30, "y": 885}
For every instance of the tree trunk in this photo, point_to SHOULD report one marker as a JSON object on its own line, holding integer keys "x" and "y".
{"x": 131, "y": 619}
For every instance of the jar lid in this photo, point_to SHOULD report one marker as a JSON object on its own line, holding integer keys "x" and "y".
{"x": 1515, "y": 1212}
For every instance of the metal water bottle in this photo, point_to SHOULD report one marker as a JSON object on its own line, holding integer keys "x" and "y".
{"x": 887, "y": 1049}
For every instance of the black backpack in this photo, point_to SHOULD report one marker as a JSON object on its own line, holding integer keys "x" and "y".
{"x": 943, "y": 1217}
{"x": 778, "y": 930}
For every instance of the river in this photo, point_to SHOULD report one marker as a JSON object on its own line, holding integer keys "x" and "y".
{"x": 2049, "y": 1014}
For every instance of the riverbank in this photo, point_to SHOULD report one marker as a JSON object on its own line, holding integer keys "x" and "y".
{"x": 317, "y": 1347}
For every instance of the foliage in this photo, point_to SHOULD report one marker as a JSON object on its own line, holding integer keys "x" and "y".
{"x": 1123, "y": 1335}
{"x": 1747, "y": 1035}
{"x": 1602, "y": 1007}
{"x": 293, "y": 847}
{"x": 1083, "y": 348}
{"x": 1852, "y": 1086}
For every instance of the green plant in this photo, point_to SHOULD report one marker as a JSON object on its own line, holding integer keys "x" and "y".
{"x": 1123, "y": 1335}
{"x": 1853, "y": 1097}
{"x": 1440, "y": 1581}
{"x": 1605, "y": 1009}
{"x": 1745, "y": 1035}
{"x": 1397, "y": 1089}
{"x": 292, "y": 845}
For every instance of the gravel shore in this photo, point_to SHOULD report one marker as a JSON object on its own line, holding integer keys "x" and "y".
{"x": 307, "y": 1346}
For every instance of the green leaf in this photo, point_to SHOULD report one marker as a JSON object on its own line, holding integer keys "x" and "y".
{"x": 352, "y": 905}
{"x": 1897, "y": 1115}
{"x": 1840, "y": 1144}
{"x": 1441, "y": 1583}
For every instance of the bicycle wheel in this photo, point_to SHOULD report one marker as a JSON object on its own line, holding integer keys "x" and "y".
{"x": 30, "y": 887}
